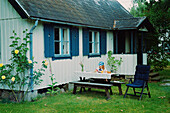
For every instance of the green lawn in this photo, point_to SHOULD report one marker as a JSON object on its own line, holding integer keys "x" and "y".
{"x": 95, "y": 101}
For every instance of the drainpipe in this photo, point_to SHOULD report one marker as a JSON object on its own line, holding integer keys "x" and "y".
{"x": 31, "y": 52}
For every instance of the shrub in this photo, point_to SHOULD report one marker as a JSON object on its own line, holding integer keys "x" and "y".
{"x": 16, "y": 75}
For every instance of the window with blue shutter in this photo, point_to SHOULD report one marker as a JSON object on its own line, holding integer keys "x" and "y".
{"x": 61, "y": 42}
{"x": 94, "y": 42}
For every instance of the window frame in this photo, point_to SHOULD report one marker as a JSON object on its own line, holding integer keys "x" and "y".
{"x": 93, "y": 54}
{"x": 62, "y": 55}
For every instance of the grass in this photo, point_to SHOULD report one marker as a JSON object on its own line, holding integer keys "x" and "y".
{"x": 95, "y": 101}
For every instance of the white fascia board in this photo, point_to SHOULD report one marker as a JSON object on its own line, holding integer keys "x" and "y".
{"x": 22, "y": 8}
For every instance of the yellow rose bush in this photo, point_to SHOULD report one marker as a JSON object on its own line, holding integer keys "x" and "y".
{"x": 16, "y": 75}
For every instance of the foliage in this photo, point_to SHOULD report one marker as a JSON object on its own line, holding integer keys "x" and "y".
{"x": 15, "y": 75}
{"x": 52, "y": 90}
{"x": 82, "y": 66}
{"x": 138, "y": 8}
{"x": 158, "y": 59}
{"x": 112, "y": 62}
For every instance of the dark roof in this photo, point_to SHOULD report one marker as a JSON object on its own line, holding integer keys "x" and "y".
{"x": 95, "y": 13}
{"x": 132, "y": 23}
{"x": 127, "y": 23}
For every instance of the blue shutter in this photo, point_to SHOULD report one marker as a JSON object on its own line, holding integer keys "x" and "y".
{"x": 49, "y": 40}
{"x": 85, "y": 42}
{"x": 74, "y": 41}
{"x": 103, "y": 42}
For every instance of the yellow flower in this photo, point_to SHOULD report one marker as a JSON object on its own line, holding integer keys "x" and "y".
{"x": 13, "y": 79}
{"x": 45, "y": 60}
{"x": 1, "y": 65}
{"x": 16, "y": 51}
{"x": 3, "y": 77}
{"x": 29, "y": 61}
{"x": 46, "y": 63}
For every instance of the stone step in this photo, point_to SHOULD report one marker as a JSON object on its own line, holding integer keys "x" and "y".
{"x": 165, "y": 80}
{"x": 157, "y": 78}
{"x": 153, "y": 74}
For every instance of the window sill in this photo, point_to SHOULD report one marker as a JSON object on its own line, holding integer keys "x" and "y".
{"x": 58, "y": 57}
{"x": 94, "y": 55}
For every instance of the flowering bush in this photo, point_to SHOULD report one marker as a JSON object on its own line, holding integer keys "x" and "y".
{"x": 16, "y": 75}
{"x": 158, "y": 59}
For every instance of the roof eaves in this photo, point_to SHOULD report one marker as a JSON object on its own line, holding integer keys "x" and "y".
{"x": 22, "y": 8}
{"x": 69, "y": 23}
{"x": 125, "y": 28}
{"x": 140, "y": 22}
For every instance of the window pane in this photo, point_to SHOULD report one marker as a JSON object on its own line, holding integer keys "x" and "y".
{"x": 57, "y": 34}
{"x": 90, "y": 36}
{"x": 65, "y": 47}
{"x": 96, "y": 34}
{"x": 65, "y": 35}
{"x": 96, "y": 47}
{"x": 90, "y": 47}
{"x": 57, "y": 47}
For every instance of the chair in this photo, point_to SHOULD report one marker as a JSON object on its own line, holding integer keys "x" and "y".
{"x": 140, "y": 81}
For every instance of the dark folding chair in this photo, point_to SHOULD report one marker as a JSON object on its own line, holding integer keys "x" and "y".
{"x": 140, "y": 81}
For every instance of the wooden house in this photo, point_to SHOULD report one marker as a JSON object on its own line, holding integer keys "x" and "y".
{"x": 68, "y": 32}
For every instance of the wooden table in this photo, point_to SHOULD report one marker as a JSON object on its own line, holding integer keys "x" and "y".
{"x": 87, "y": 75}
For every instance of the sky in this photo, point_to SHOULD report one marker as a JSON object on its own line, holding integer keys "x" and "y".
{"x": 127, "y": 4}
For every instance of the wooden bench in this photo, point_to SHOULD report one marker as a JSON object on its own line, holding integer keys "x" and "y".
{"x": 89, "y": 85}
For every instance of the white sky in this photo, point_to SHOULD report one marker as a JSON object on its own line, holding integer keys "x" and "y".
{"x": 127, "y": 4}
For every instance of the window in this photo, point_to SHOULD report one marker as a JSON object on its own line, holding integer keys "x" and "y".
{"x": 61, "y": 42}
{"x": 94, "y": 43}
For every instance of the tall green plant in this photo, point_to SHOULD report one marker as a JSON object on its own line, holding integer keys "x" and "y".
{"x": 16, "y": 75}
{"x": 112, "y": 62}
{"x": 52, "y": 90}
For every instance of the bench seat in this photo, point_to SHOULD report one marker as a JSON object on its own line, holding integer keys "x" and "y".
{"x": 93, "y": 85}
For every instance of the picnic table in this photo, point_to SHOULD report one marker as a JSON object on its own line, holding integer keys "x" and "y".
{"x": 96, "y": 80}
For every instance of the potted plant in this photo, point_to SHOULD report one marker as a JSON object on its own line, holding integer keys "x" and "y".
{"x": 112, "y": 62}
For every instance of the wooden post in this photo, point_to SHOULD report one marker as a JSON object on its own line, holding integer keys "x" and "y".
{"x": 131, "y": 42}
{"x": 142, "y": 47}
{"x": 116, "y": 42}
{"x": 135, "y": 38}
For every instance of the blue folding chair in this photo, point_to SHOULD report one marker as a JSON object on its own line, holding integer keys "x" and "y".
{"x": 140, "y": 81}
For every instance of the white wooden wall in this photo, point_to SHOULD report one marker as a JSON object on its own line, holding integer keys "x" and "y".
{"x": 63, "y": 70}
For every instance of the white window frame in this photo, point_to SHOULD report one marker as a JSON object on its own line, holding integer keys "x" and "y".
{"x": 62, "y": 54}
{"x": 93, "y": 42}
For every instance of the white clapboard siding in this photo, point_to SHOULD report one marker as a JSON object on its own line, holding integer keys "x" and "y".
{"x": 7, "y": 11}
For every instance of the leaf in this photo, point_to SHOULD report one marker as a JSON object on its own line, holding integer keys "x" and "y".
{"x": 12, "y": 45}
{"x": 12, "y": 37}
{"x": 24, "y": 38}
